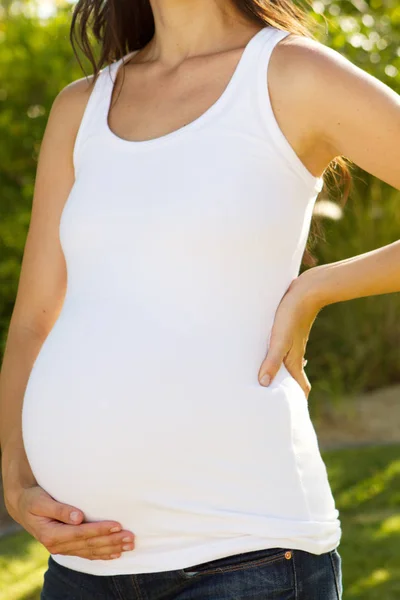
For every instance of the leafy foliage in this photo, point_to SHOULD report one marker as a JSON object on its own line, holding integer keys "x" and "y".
{"x": 36, "y": 62}
{"x": 354, "y": 346}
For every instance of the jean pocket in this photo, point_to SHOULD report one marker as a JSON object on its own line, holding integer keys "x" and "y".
{"x": 238, "y": 562}
{"x": 336, "y": 561}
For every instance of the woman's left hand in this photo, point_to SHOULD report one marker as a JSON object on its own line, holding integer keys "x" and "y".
{"x": 294, "y": 317}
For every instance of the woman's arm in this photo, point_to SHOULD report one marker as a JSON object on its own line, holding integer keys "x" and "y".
{"x": 357, "y": 116}
{"x": 341, "y": 109}
{"x": 39, "y": 299}
{"x": 41, "y": 287}
{"x": 369, "y": 274}
{"x": 351, "y": 113}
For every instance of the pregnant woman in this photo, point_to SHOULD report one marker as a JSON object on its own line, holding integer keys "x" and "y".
{"x": 155, "y": 430}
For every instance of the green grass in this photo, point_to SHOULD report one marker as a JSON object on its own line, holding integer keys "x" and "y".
{"x": 366, "y": 485}
{"x": 22, "y": 564}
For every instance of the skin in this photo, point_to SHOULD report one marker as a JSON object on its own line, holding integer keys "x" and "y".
{"x": 344, "y": 111}
{"x": 325, "y": 106}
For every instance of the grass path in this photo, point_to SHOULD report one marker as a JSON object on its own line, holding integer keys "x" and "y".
{"x": 366, "y": 486}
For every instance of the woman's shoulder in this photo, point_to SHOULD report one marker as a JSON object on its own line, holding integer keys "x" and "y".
{"x": 306, "y": 79}
{"x": 72, "y": 99}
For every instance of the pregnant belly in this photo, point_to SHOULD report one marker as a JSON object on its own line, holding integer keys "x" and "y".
{"x": 124, "y": 432}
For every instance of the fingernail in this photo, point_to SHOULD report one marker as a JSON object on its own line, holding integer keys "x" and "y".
{"x": 74, "y": 516}
{"x": 114, "y": 529}
{"x": 265, "y": 379}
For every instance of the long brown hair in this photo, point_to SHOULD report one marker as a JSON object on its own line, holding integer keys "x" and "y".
{"x": 121, "y": 26}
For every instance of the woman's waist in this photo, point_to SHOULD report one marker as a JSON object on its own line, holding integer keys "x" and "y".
{"x": 131, "y": 378}
{"x": 155, "y": 355}
{"x": 162, "y": 320}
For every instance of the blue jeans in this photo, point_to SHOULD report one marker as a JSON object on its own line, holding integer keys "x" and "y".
{"x": 275, "y": 573}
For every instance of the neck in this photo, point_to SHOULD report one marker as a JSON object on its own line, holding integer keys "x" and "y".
{"x": 185, "y": 28}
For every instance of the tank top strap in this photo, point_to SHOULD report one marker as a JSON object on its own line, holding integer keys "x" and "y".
{"x": 254, "y": 77}
{"x": 262, "y": 44}
{"x": 245, "y": 93}
{"x": 95, "y": 116}
{"x": 267, "y": 123}
{"x": 264, "y": 50}
{"x": 268, "y": 42}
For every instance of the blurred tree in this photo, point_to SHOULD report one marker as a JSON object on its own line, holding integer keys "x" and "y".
{"x": 36, "y": 61}
{"x": 354, "y": 346}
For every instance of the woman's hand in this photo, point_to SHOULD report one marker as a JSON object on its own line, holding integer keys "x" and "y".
{"x": 52, "y": 524}
{"x": 289, "y": 335}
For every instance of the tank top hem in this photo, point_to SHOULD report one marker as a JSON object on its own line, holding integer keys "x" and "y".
{"x": 179, "y": 559}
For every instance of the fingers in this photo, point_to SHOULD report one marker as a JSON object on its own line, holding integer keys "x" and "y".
{"x": 277, "y": 354}
{"x": 89, "y": 540}
{"x": 272, "y": 363}
{"x": 269, "y": 369}
{"x": 95, "y": 547}
{"x": 54, "y": 532}
{"x": 50, "y": 522}
{"x": 300, "y": 376}
{"x": 43, "y": 517}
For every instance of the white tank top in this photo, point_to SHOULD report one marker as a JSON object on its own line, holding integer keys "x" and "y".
{"x": 144, "y": 404}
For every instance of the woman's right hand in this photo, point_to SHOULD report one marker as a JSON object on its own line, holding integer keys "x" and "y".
{"x": 52, "y": 524}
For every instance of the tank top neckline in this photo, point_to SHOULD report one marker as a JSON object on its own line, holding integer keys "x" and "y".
{"x": 196, "y": 123}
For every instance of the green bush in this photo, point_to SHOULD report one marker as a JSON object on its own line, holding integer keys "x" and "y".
{"x": 354, "y": 345}
{"x": 36, "y": 61}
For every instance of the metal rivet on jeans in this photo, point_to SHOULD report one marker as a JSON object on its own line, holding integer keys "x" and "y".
{"x": 288, "y": 555}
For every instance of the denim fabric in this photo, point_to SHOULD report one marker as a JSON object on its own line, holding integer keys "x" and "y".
{"x": 275, "y": 573}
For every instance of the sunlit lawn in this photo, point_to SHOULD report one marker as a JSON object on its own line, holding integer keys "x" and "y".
{"x": 22, "y": 564}
{"x": 366, "y": 486}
